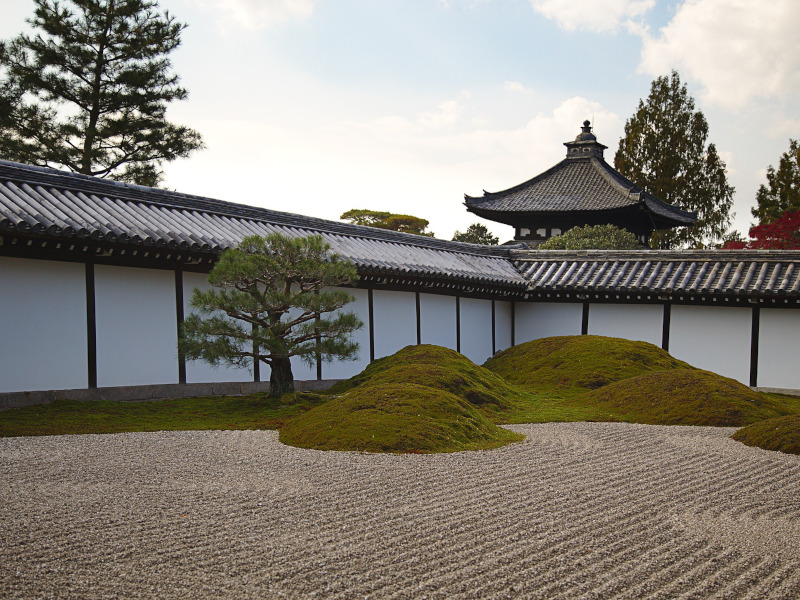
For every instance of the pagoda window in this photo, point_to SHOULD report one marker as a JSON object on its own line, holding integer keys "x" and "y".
{"x": 555, "y": 231}
{"x": 541, "y": 232}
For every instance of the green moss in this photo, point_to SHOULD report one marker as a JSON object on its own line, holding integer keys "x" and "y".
{"x": 569, "y": 365}
{"x": 395, "y": 417}
{"x": 781, "y": 434}
{"x": 682, "y": 397}
{"x": 442, "y": 369}
{"x": 214, "y": 412}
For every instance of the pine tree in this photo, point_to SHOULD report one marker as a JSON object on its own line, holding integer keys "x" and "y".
{"x": 386, "y": 220}
{"x": 270, "y": 306}
{"x": 476, "y": 233}
{"x": 782, "y": 192}
{"x": 89, "y": 91}
{"x": 664, "y": 151}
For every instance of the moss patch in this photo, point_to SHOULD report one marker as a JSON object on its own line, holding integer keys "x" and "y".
{"x": 256, "y": 411}
{"x": 683, "y": 397}
{"x": 395, "y": 417}
{"x": 566, "y": 365}
{"x": 442, "y": 369}
{"x": 781, "y": 434}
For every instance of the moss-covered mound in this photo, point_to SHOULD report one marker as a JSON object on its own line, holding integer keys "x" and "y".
{"x": 682, "y": 397}
{"x": 578, "y": 363}
{"x": 395, "y": 417}
{"x": 442, "y": 369}
{"x": 781, "y": 434}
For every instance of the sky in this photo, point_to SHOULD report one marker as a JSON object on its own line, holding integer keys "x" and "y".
{"x": 320, "y": 106}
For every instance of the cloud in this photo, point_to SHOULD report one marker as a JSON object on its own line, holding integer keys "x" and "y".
{"x": 738, "y": 50}
{"x": 259, "y": 14}
{"x": 593, "y": 15}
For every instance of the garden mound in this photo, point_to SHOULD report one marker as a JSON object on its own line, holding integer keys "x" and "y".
{"x": 578, "y": 363}
{"x": 682, "y": 397}
{"x": 395, "y": 417}
{"x": 443, "y": 369}
{"x": 781, "y": 434}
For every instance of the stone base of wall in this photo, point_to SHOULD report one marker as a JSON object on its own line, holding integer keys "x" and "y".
{"x": 770, "y": 390}
{"x": 144, "y": 393}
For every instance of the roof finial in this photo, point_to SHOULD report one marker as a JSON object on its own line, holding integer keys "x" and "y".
{"x": 587, "y": 126}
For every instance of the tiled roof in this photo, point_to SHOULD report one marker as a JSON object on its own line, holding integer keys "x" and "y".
{"x": 748, "y": 274}
{"x": 54, "y": 204}
{"x": 575, "y": 185}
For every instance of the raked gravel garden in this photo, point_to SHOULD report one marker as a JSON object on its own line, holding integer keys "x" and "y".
{"x": 576, "y": 510}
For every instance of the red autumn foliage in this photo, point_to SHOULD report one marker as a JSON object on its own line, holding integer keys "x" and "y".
{"x": 782, "y": 234}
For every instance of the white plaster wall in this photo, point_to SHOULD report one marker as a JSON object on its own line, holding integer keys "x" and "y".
{"x": 395, "y": 318}
{"x": 438, "y": 320}
{"x": 502, "y": 325}
{"x": 476, "y": 329}
{"x": 630, "y": 321}
{"x": 534, "y": 320}
{"x": 137, "y": 332}
{"x": 779, "y": 348}
{"x": 198, "y": 371}
{"x": 43, "y": 324}
{"x": 712, "y": 338}
{"x": 344, "y": 369}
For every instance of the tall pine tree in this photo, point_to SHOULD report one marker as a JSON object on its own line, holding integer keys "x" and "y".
{"x": 782, "y": 191}
{"x": 89, "y": 91}
{"x": 664, "y": 151}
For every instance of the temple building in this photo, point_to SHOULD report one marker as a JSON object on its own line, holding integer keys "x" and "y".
{"x": 583, "y": 189}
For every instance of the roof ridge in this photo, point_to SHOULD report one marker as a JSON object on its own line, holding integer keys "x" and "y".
{"x": 181, "y": 201}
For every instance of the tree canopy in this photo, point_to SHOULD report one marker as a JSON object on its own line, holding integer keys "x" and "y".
{"x": 664, "y": 151}
{"x": 387, "y": 220}
{"x": 272, "y": 294}
{"x": 89, "y": 90}
{"x": 782, "y": 191}
{"x": 476, "y": 233}
{"x": 593, "y": 237}
{"x": 780, "y": 234}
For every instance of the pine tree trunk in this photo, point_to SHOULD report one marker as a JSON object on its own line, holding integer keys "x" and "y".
{"x": 281, "y": 380}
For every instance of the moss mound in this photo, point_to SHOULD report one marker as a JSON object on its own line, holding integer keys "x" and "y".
{"x": 395, "y": 417}
{"x": 579, "y": 363}
{"x": 442, "y": 369}
{"x": 682, "y": 397}
{"x": 781, "y": 434}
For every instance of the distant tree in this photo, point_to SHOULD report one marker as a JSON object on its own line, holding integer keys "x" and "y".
{"x": 387, "y": 220}
{"x": 782, "y": 191}
{"x": 89, "y": 91}
{"x": 272, "y": 294}
{"x": 476, "y": 234}
{"x": 664, "y": 151}
{"x": 593, "y": 237}
{"x": 781, "y": 234}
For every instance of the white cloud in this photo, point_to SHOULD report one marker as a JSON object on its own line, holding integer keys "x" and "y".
{"x": 593, "y": 15}
{"x": 259, "y": 14}
{"x": 738, "y": 50}
{"x": 515, "y": 86}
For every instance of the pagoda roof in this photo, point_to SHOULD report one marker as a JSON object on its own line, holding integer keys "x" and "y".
{"x": 581, "y": 183}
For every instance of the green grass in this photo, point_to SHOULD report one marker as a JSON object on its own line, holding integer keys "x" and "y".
{"x": 217, "y": 412}
{"x": 781, "y": 434}
{"x": 398, "y": 418}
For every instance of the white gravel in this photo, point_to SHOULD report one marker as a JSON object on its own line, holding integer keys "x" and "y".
{"x": 580, "y": 510}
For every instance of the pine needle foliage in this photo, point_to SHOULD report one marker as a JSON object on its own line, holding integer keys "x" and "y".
{"x": 664, "y": 151}
{"x": 271, "y": 301}
{"x": 89, "y": 90}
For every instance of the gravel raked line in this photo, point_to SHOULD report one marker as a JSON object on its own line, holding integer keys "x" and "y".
{"x": 578, "y": 510}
